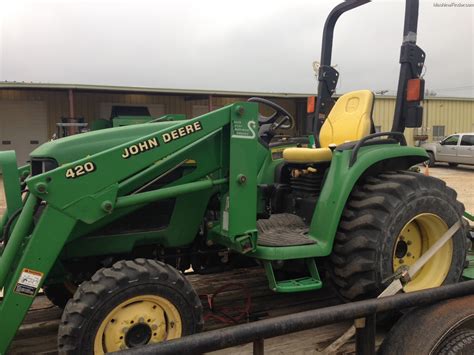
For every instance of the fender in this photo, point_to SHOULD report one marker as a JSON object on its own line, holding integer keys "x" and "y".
{"x": 341, "y": 180}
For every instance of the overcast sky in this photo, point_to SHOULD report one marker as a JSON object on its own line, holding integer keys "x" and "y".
{"x": 247, "y": 45}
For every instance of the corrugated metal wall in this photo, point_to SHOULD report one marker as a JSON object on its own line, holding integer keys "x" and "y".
{"x": 457, "y": 115}
{"x": 384, "y": 109}
{"x": 87, "y": 104}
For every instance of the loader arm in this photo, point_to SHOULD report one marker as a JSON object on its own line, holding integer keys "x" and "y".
{"x": 89, "y": 189}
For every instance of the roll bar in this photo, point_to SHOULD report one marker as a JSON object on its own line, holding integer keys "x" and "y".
{"x": 327, "y": 75}
{"x": 412, "y": 59}
{"x": 407, "y": 114}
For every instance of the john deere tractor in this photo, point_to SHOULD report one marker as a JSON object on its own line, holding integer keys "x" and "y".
{"x": 106, "y": 222}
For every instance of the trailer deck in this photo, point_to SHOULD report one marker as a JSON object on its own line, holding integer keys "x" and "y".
{"x": 38, "y": 332}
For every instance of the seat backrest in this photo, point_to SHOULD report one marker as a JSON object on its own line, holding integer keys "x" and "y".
{"x": 349, "y": 120}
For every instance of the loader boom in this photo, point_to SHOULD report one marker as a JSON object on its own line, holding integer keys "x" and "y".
{"x": 89, "y": 189}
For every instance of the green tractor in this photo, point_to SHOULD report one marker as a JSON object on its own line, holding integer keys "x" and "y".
{"x": 106, "y": 222}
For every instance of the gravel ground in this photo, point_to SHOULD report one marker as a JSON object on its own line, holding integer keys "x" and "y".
{"x": 460, "y": 179}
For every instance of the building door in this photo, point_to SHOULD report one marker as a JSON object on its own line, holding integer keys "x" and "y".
{"x": 23, "y": 127}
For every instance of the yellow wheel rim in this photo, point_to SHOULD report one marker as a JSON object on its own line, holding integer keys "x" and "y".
{"x": 140, "y": 320}
{"x": 416, "y": 237}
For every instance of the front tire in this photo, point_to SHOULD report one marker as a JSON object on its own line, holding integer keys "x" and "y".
{"x": 60, "y": 294}
{"x": 389, "y": 221}
{"x": 133, "y": 303}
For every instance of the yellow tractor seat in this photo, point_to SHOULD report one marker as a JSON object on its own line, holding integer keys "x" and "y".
{"x": 349, "y": 120}
{"x": 307, "y": 155}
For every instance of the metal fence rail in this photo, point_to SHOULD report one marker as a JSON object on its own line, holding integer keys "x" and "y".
{"x": 269, "y": 328}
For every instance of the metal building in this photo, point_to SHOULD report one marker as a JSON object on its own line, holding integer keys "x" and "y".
{"x": 29, "y": 113}
{"x": 441, "y": 116}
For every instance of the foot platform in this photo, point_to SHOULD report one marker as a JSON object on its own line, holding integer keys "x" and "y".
{"x": 283, "y": 230}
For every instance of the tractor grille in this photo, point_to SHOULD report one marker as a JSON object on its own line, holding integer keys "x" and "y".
{"x": 40, "y": 166}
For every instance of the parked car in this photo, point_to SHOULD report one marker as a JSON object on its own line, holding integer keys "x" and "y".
{"x": 454, "y": 149}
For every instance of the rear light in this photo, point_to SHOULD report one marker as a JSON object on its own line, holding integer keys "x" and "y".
{"x": 310, "y": 104}
{"x": 415, "y": 89}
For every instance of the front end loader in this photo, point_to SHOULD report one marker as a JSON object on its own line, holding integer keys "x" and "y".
{"x": 106, "y": 222}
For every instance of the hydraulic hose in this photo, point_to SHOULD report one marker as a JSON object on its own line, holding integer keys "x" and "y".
{"x": 6, "y": 228}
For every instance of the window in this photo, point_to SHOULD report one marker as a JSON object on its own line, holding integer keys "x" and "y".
{"x": 438, "y": 133}
{"x": 378, "y": 129}
{"x": 467, "y": 139}
{"x": 451, "y": 140}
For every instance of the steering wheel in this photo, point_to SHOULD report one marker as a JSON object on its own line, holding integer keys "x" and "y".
{"x": 281, "y": 118}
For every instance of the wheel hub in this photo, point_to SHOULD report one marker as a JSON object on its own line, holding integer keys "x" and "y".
{"x": 401, "y": 249}
{"x": 138, "y": 321}
{"x": 139, "y": 334}
{"x": 415, "y": 238}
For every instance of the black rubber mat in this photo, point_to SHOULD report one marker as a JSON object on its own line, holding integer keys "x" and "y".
{"x": 283, "y": 230}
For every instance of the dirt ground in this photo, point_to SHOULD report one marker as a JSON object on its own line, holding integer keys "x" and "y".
{"x": 460, "y": 179}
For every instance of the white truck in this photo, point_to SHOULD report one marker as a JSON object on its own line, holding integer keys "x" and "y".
{"x": 455, "y": 149}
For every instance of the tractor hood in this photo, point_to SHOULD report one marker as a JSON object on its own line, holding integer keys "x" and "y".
{"x": 68, "y": 149}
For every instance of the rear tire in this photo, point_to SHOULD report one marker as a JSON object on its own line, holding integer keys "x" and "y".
{"x": 132, "y": 303}
{"x": 367, "y": 247}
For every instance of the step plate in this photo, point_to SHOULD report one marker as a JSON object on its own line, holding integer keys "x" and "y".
{"x": 283, "y": 230}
